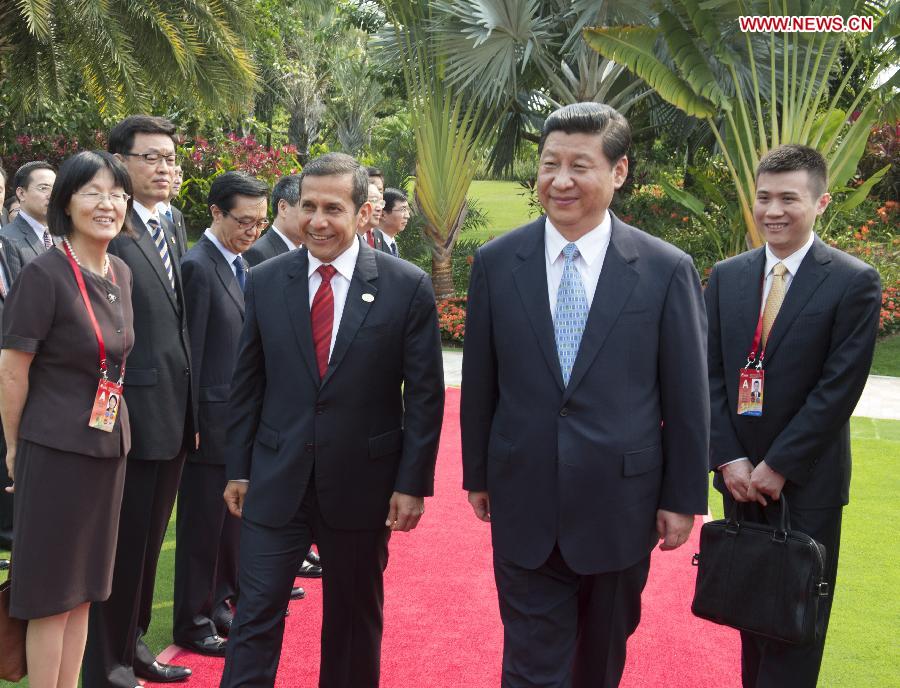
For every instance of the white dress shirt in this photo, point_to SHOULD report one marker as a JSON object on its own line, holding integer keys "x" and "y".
{"x": 38, "y": 228}
{"x": 228, "y": 255}
{"x": 592, "y": 249}
{"x": 287, "y": 242}
{"x": 146, "y": 213}
{"x": 391, "y": 244}
{"x": 345, "y": 264}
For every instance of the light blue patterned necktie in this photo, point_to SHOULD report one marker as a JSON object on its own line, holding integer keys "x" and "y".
{"x": 571, "y": 313}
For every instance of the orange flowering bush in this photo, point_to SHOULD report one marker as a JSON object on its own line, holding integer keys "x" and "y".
{"x": 452, "y": 319}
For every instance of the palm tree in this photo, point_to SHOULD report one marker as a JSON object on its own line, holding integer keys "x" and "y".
{"x": 755, "y": 91}
{"x": 124, "y": 52}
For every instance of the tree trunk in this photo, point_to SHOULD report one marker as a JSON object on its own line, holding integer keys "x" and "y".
{"x": 442, "y": 273}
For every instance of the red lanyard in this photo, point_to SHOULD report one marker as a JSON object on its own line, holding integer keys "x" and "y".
{"x": 757, "y": 337}
{"x": 101, "y": 346}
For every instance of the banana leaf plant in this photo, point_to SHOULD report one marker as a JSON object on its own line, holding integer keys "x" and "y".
{"x": 756, "y": 91}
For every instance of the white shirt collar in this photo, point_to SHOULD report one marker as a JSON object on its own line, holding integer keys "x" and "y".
{"x": 345, "y": 263}
{"x": 287, "y": 242}
{"x": 34, "y": 224}
{"x": 145, "y": 213}
{"x": 228, "y": 255}
{"x": 792, "y": 262}
{"x": 591, "y": 246}
{"x": 163, "y": 207}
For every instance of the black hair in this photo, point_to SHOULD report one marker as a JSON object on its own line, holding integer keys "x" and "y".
{"x": 75, "y": 173}
{"x": 375, "y": 172}
{"x": 226, "y": 186}
{"x": 121, "y": 137}
{"x": 286, "y": 189}
{"x": 391, "y": 196}
{"x": 591, "y": 118}
{"x": 23, "y": 174}
{"x": 792, "y": 157}
{"x": 339, "y": 164}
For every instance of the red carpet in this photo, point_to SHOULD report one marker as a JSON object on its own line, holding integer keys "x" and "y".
{"x": 442, "y": 626}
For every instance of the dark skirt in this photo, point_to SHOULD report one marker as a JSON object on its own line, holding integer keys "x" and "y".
{"x": 66, "y": 520}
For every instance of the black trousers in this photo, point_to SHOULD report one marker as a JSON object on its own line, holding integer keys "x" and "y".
{"x": 768, "y": 663}
{"x": 206, "y": 553}
{"x": 566, "y": 630}
{"x": 116, "y": 626}
{"x": 353, "y": 599}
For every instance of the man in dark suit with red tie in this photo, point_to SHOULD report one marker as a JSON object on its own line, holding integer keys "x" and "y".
{"x": 324, "y": 446}
{"x": 584, "y": 410}
{"x": 816, "y": 312}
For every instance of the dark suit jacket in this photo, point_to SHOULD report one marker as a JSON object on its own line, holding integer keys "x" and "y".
{"x": 380, "y": 242}
{"x": 817, "y": 359}
{"x": 181, "y": 237}
{"x": 21, "y": 244}
{"x": 158, "y": 374}
{"x": 585, "y": 466}
{"x": 366, "y": 430}
{"x": 267, "y": 246}
{"x": 215, "y": 314}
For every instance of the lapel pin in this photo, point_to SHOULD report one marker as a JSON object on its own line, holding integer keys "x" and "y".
{"x": 111, "y": 297}
{"x": 368, "y": 298}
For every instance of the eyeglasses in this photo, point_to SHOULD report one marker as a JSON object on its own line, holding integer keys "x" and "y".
{"x": 154, "y": 158}
{"x": 44, "y": 188}
{"x": 259, "y": 225}
{"x": 97, "y": 197}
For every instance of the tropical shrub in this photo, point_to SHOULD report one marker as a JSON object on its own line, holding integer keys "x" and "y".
{"x": 452, "y": 319}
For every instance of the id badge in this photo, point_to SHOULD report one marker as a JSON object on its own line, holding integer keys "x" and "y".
{"x": 106, "y": 405}
{"x": 750, "y": 392}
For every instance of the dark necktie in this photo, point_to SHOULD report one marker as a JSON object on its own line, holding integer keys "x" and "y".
{"x": 48, "y": 240}
{"x": 394, "y": 249}
{"x": 159, "y": 238}
{"x": 169, "y": 215}
{"x": 240, "y": 272}
{"x": 322, "y": 316}
{"x": 370, "y": 238}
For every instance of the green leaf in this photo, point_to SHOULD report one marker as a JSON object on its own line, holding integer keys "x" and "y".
{"x": 862, "y": 191}
{"x": 690, "y": 60}
{"x": 685, "y": 198}
{"x": 632, "y": 46}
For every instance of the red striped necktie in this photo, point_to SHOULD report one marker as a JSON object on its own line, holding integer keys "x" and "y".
{"x": 370, "y": 238}
{"x": 322, "y": 316}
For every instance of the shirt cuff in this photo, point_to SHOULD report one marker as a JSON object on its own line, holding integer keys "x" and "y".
{"x": 239, "y": 480}
{"x": 722, "y": 465}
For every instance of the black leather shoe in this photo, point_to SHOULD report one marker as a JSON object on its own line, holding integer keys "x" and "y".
{"x": 223, "y": 626}
{"x": 298, "y": 593}
{"x": 309, "y": 570}
{"x": 162, "y": 673}
{"x": 312, "y": 556}
{"x": 211, "y": 645}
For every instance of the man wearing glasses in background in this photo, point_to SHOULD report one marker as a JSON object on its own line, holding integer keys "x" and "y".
{"x": 163, "y": 427}
{"x": 27, "y": 237}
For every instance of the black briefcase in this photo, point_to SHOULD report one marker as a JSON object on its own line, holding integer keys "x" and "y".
{"x": 759, "y": 578}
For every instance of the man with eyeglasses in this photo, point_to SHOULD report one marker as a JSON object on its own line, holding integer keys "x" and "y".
{"x": 394, "y": 218}
{"x": 27, "y": 236}
{"x": 368, "y": 229}
{"x": 207, "y": 536}
{"x": 159, "y": 392}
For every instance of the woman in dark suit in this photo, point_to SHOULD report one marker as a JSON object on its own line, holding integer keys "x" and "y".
{"x": 67, "y": 307}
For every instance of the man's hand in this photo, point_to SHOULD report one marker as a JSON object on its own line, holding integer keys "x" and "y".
{"x": 235, "y": 493}
{"x": 673, "y": 529}
{"x": 481, "y": 504}
{"x": 197, "y": 441}
{"x": 405, "y": 512}
{"x": 11, "y": 467}
{"x": 737, "y": 479}
{"x": 765, "y": 481}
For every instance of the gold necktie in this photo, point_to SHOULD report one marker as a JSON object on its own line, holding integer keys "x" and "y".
{"x": 774, "y": 300}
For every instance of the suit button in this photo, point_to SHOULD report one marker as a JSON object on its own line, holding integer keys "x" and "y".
{"x": 119, "y": 331}
{"x": 320, "y": 409}
{"x": 187, "y": 371}
{"x": 564, "y": 412}
{"x": 308, "y": 447}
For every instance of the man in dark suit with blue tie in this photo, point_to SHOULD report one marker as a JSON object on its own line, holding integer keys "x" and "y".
{"x": 584, "y": 410}
{"x": 324, "y": 446}
{"x": 816, "y": 310}
{"x": 394, "y": 218}
{"x": 26, "y": 237}
{"x": 213, "y": 273}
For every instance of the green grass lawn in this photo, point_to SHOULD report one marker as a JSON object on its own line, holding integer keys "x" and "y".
{"x": 504, "y": 205}
{"x": 860, "y": 652}
{"x": 887, "y": 356}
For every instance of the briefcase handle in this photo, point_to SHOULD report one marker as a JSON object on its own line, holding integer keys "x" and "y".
{"x": 784, "y": 525}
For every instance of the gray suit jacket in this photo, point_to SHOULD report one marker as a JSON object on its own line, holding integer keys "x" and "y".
{"x": 21, "y": 243}
{"x": 267, "y": 246}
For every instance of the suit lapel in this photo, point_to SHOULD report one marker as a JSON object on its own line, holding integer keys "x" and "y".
{"x": 145, "y": 243}
{"x": 296, "y": 294}
{"x": 355, "y": 308}
{"x": 30, "y": 237}
{"x": 225, "y": 273}
{"x": 618, "y": 279}
{"x": 751, "y": 295}
{"x": 531, "y": 280}
{"x": 812, "y": 271}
